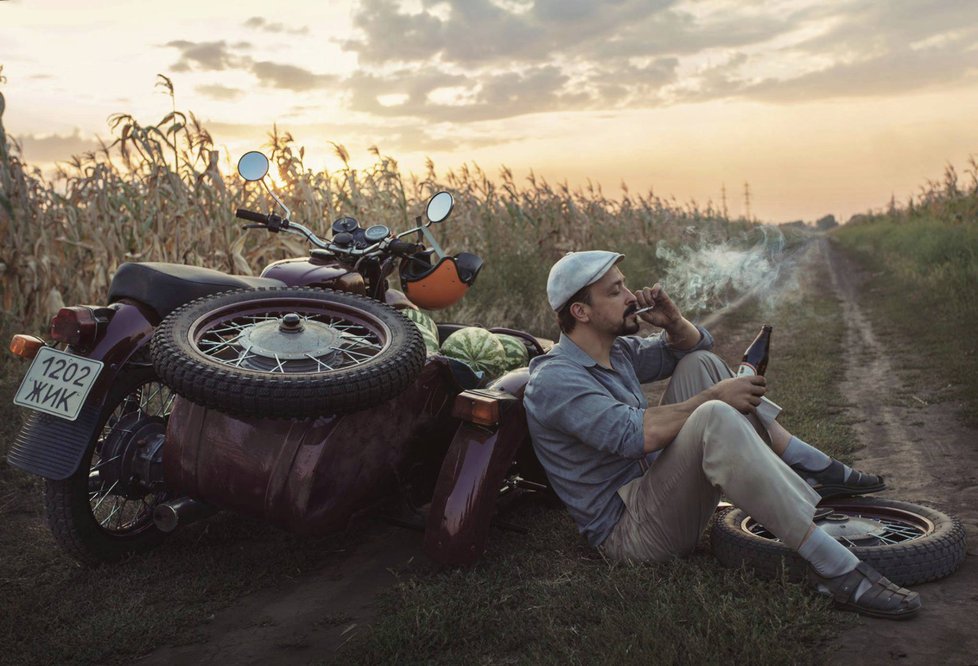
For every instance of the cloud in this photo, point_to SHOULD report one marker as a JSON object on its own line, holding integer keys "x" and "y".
{"x": 218, "y": 56}
{"x": 874, "y": 50}
{"x": 219, "y": 92}
{"x": 259, "y": 23}
{"x": 203, "y": 56}
{"x": 289, "y": 77}
{"x": 499, "y": 95}
{"x": 642, "y": 53}
{"x": 51, "y": 148}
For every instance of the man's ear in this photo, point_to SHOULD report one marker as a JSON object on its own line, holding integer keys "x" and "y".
{"x": 579, "y": 312}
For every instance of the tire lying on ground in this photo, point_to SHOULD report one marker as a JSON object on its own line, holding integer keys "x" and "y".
{"x": 288, "y": 352}
{"x": 928, "y": 544}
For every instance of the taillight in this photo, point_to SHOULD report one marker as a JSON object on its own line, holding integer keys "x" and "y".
{"x": 476, "y": 408}
{"x": 76, "y": 326}
{"x": 25, "y": 346}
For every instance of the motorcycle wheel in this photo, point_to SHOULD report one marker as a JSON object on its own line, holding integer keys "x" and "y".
{"x": 907, "y": 543}
{"x": 89, "y": 518}
{"x": 287, "y": 352}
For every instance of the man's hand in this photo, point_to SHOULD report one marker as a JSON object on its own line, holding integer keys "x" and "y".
{"x": 682, "y": 334}
{"x": 665, "y": 312}
{"x": 741, "y": 393}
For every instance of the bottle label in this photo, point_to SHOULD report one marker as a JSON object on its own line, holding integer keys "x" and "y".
{"x": 746, "y": 370}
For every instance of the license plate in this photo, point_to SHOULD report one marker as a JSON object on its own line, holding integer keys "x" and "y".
{"x": 57, "y": 383}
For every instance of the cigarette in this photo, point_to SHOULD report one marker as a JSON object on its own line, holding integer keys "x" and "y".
{"x": 645, "y": 309}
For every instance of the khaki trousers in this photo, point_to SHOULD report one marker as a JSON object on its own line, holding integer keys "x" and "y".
{"x": 718, "y": 450}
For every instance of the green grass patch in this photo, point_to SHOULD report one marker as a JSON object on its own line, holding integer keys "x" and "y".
{"x": 921, "y": 294}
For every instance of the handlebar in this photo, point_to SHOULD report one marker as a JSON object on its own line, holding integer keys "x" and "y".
{"x": 251, "y": 216}
{"x": 398, "y": 246}
{"x": 274, "y": 223}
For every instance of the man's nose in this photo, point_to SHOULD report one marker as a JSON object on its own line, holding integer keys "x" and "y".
{"x": 631, "y": 297}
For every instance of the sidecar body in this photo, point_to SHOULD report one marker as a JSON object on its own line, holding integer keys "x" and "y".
{"x": 313, "y": 475}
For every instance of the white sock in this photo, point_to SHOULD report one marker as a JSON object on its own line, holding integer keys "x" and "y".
{"x": 802, "y": 453}
{"x": 830, "y": 558}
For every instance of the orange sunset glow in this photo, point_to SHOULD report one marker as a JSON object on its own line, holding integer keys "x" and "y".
{"x": 822, "y": 107}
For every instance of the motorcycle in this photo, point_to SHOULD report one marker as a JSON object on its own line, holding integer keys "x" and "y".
{"x": 301, "y": 397}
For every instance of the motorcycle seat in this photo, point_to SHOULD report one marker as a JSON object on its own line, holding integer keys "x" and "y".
{"x": 165, "y": 287}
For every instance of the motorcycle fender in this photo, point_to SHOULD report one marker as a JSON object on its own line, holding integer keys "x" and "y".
{"x": 52, "y": 447}
{"x": 471, "y": 476}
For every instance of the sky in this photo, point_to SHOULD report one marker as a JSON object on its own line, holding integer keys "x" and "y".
{"x": 822, "y": 106}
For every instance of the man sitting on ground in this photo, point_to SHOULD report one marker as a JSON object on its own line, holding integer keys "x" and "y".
{"x": 642, "y": 482}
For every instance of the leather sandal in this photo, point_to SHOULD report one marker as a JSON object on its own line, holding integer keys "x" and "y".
{"x": 831, "y": 481}
{"x": 883, "y": 599}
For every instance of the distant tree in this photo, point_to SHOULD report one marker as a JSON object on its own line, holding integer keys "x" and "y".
{"x": 826, "y": 223}
{"x": 795, "y": 224}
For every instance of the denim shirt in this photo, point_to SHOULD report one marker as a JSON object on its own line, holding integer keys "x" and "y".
{"x": 586, "y": 422}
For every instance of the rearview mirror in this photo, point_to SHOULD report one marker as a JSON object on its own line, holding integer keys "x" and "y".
{"x": 253, "y": 165}
{"x": 439, "y": 207}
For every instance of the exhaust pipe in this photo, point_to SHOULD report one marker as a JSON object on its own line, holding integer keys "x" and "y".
{"x": 183, "y": 511}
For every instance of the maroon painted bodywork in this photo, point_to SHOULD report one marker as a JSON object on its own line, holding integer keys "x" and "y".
{"x": 472, "y": 474}
{"x": 316, "y": 272}
{"x": 130, "y": 328}
{"x": 309, "y": 476}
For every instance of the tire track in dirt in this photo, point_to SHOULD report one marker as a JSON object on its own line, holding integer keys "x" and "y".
{"x": 305, "y": 621}
{"x": 928, "y": 457}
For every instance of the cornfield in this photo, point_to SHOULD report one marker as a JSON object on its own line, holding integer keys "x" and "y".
{"x": 157, "y": 193}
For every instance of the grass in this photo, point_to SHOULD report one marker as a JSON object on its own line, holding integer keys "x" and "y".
{"x": 921, "y": 289}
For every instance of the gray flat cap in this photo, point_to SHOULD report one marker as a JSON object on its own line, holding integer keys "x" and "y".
{"x": 576, "y": 270}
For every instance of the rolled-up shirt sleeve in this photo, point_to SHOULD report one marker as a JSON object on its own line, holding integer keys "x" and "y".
{"x": 573, "y": 403}
{"x": 654, "y": 358}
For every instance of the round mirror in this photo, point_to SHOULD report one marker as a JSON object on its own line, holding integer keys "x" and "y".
{"x": 439, "y": 206}
{"x": 253, "y": 165}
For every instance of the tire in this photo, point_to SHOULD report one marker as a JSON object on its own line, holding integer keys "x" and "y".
{"x": 82, "y": 523}
{"x": 934, "y": 545}
{"x": 237, "y": 352}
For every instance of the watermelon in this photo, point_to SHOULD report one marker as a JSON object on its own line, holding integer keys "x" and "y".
{"x": 426, "y": 325}
{"x": 517, "y": 355}
{"x": 478, "y": 348}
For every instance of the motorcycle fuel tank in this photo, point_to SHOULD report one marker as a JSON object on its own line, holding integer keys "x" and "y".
{"x": 315, "y": 272}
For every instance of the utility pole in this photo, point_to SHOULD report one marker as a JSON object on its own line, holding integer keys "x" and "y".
{"x": 747, "y": 200}
{"x": 723, "y": 200}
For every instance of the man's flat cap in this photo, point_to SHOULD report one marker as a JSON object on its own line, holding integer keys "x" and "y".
{"x": 576, "y": 270}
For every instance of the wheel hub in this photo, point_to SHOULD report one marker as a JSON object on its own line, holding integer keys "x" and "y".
{"x": 131, "y": 457}
{"x": 291, "y": 338}
{"x": 856, "y": 529}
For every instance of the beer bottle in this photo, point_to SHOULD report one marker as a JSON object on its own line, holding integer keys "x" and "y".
{"x": 755, "y": 358}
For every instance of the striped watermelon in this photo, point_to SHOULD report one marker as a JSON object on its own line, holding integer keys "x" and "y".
{"x": 517, "y": 355}
{"x": 477, "y": 347}
{"x": 426, "y": 325}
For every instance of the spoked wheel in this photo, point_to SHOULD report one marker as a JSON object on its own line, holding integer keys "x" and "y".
{"x": 105, "y": 510}
{"x": 292, "y": 352}
{"x": 905, "y": 542}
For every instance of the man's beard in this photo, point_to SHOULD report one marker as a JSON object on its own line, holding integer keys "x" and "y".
{"x": 629, "y": 326}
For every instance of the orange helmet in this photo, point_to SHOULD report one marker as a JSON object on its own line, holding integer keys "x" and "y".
{"x": 439, "y": 286}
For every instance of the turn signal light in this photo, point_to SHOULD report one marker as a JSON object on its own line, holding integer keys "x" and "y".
{"x": 76, "y": 326}
{"x": 478, "y": 409}
{"x": 25, "y": 346}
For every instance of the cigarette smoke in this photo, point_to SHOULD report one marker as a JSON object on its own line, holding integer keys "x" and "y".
{"x": 708, "y": 275}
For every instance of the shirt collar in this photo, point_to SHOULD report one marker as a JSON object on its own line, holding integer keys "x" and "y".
{"x": 569, "y": 349}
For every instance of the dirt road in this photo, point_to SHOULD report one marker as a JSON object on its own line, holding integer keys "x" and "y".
{"x": 927, "y": 457}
